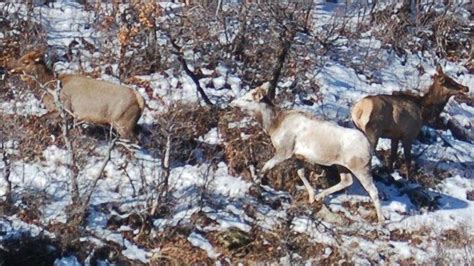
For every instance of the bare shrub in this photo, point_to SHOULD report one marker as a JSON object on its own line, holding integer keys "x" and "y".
{"x": 185, "y": 123}
{"x": 30, "y": 148}
{"x": 459, "y": 239}
{"x": 133, "y": 29}
{"x": 21, "y": 33}
{"x": 257, "y": 42}
{"x": 178, "y": 250}
{"x": 424, "y": 27}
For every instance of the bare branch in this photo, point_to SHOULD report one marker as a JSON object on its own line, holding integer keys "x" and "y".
{"x": 282, "y": 55}
{"x": 165, "y": 168}
{"x": 6, "y": 172}
{"x": 101, "y": 171}
{"x": 191, "y": 74}
{"x": 70, "y": 160}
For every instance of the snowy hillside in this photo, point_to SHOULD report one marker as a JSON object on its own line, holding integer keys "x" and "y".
{"x": 186, "y": 192}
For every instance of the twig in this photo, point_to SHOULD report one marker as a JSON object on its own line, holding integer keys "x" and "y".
{"x": 101, "y": 171}
{"x": 307, "y": 17}
{"x": 219, "y": 3}
{"x": 6, "y": 172}
{"x": 42, "y": 85}
{"x": 285, "y": 48}
{"x": 70, "y": 160}
{"x": 54, "y": 93}
{"x": 165, "y": 168}
{"x": 124, "y": 168}
{"x": 191, "y": 74}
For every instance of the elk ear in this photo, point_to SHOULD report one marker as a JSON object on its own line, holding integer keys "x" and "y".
{"x": 439, "y": 69}
{"x": 261, "y": 91}
{"x": 266, "y": 86}
{"x": 258, "y": 94}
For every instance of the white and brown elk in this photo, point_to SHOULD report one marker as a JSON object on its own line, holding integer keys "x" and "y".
{"x": 300, "y": 134}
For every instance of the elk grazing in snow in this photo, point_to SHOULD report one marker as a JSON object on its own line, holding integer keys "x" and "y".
{"x": 400, "y": 117}
{"x": 299, "y": 134}
{"x": 87, "y": 99}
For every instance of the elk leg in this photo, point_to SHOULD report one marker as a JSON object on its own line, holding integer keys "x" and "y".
{"x": 373, "y": 139}
{"x": 279, "y": 157}
{"x": 306, "y": 183}
{"x": 393, "y": 153}
{"x": 346, "y": 180}
{"x": 407, "y": 151}
{"x": 127, "y": 123}
{"x": 120, "y": 130}
{"x": 368, "y": 183}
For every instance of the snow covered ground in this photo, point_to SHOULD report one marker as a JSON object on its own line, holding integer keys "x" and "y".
{"x": 423, "y": 234}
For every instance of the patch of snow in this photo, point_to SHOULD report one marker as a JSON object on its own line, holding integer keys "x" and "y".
{"x": 212, "y": 137}
{"x": 309, "y": 227}
{"x": 67, "y": 261}
{"x": 219, "y": 82}
{"x": 199, "y": 241}
{"x": 26, "y": 106}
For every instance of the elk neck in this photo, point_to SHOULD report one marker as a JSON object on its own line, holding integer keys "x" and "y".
{"x": 269, "y": 117}
{"x": 45, "y": 75}
{"x": 433, "y": 102}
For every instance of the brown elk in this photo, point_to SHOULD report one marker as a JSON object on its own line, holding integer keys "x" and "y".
{"x": 87, "y": 99}
{"x": 299, "y": 134}
{"x": 400, "y": 117}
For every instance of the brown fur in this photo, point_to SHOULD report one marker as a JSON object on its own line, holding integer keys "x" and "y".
{"x": 400, "y": 117}
{"x": 89, "y": 100}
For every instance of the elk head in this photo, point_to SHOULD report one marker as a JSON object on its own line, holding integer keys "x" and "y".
{"x": 435, "y": 99}
{"x": 36, "y": 63}
{"x": 446, "y": 85}
{"x": 254, "y": 101}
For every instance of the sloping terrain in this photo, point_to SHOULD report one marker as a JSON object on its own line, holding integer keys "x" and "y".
{"x": 187, "y": 194}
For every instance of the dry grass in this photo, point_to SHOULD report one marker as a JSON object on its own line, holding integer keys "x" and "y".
{"x": 455, "y": 246}
{"x": 178, "y": 249}
{"x": 355, "y": 207}
{"x": 185, "y": 123}
{"x": 33, "y": 134}
{"x": 416, "y": 238}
